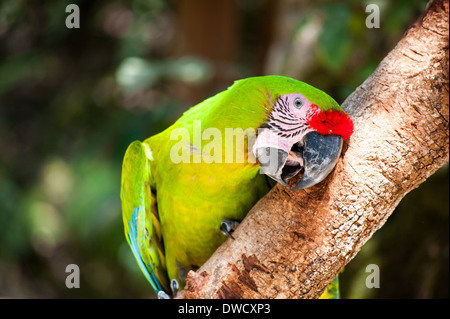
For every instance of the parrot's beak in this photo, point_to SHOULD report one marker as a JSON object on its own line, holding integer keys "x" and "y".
{"x": 316, "y": 154}
{"x": 320, "y": 155}
{"x": 272, "y": 161}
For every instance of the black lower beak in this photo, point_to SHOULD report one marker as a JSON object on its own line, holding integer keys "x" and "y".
{"x": 320, "y": 155}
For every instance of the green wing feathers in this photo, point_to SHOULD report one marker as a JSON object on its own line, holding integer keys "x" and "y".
{"x": 140, "y": 215}
{"x": 332, "y": 291}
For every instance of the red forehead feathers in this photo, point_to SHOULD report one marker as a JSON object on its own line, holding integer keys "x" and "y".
{"x": 332, "y": 122}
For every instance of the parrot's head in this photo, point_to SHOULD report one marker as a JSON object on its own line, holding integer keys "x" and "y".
{"x": 302, "y": 131}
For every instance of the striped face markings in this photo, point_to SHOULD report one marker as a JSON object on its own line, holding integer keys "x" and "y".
{"x": 293, "y": 115}
{"x": 290, "y": 115}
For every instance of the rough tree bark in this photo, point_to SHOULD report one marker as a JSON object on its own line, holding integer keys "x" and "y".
{"x": 292, "y": 244}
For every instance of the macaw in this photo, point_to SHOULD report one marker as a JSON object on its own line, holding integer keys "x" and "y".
{"x": 185, "y": 189}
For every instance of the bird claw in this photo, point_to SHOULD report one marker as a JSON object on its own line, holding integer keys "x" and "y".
{"x": 228, "y": 227}
{"x": 174, "y": 286}
{"x": 163, "y": 295}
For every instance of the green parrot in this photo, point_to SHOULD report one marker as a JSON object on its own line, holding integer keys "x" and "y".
{"x": 185, "y": 189}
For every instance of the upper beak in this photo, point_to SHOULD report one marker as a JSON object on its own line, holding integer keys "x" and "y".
{"x": 320, "y": 155}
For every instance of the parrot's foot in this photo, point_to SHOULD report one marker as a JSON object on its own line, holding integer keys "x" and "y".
{"x": 162, "y": 295}
{"x": 228, "y": 227}
{"x": 174, "y": 286}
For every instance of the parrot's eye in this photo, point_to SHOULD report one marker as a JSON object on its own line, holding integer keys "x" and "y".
{"x": 298, "y": 103}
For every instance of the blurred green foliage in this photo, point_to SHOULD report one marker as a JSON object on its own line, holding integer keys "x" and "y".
{"x": 71, "y": 101}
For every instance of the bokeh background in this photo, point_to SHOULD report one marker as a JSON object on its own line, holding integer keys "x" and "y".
{"x": 71, "y": 100}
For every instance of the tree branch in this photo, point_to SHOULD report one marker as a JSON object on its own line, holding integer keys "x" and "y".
{"x": 292, "y": 244}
